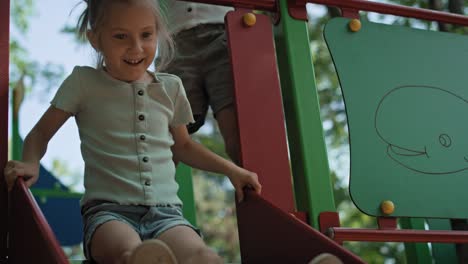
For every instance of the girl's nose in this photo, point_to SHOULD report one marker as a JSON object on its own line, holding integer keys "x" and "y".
{"x": 136, "y": 45}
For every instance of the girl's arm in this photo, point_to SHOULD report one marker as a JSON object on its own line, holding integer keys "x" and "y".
{"x": 198, "y": 156}
{"x": 35, "y": 146}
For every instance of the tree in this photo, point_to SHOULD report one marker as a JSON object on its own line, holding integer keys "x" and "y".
{"x": 25, "y": 72}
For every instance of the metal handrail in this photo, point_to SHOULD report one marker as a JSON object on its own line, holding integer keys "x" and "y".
{"x": 391, "y": 9}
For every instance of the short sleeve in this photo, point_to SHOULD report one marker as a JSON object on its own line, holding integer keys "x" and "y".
{"x": 69, "y": 95}
{"x": 182, "y": 110}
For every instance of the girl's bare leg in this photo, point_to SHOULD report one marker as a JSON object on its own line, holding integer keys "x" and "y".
{"x": 113, "y": 242}
{"x": 188, "y": 247}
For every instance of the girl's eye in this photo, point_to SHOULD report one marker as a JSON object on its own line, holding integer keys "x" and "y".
{"x": 147, "y": 35}
{"x": 119, "y": 36}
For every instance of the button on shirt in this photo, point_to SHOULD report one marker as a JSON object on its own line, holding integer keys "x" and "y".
{"x": 124, "y": 132}
{"x": 184, "y": 15}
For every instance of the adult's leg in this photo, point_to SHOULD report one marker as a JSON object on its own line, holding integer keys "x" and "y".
{"x": 219, "y": 87}
{"x": 227, "y": 123}
{"x": 113, "y": 242}
{"x": 188, "y": 247}
{"x": 186, "y": 65}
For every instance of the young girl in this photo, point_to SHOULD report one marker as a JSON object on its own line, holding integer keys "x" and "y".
{"x": 132, "y": 123}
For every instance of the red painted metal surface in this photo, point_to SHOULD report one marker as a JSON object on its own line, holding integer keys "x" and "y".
{"x": 350, "y": 13}
{"x": 4, "y": 72}
{"x": 31, "y": 238}
{"x": 387, "y": 223}
{"x": 268, "y": 5}
{"x": 387, "y": 232}
{"x": 327, "y": 220}
{"x": 297, "y": 11}
{"x": 259, "y": 107}
{"x": 273, "y": 236}
{"x": 383, "y": 8}
{"x": 301, "y": 216}
{"x": 389, "y": 235}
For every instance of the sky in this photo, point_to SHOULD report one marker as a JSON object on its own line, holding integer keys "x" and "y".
{"x": 45, "y": 43}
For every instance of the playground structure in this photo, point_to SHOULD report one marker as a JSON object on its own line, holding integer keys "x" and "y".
{"x": 286, "y": 224}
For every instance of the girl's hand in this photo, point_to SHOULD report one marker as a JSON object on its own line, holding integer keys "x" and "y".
{"x": 241, "y": 178}
{"x": 15, "y": 169}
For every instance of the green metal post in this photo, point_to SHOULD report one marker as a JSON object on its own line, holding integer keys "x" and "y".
{"x": 443, "y": 253}
{"x": 312, "y": 184}
{"x": 16, "y": 142}
{"x": 184, "y": 179}
{"x": 417, "y": 253}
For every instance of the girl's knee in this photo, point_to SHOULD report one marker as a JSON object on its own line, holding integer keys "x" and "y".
{"x": 205, "y": 255}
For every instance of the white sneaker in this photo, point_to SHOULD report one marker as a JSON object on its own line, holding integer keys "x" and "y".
{"x": 326, "y": 258}
{"x": 152, "y": 251}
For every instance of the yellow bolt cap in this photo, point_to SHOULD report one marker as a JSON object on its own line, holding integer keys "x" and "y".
{"x": 387, "y": 207}
{"x": 355, "y": 25}
{"x": 250, "y": 19}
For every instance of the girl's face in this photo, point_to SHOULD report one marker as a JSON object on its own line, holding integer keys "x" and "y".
{"x": 127, "y": 41}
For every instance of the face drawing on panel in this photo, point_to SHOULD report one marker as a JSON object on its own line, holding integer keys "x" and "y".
{"x": 424, "y": 128}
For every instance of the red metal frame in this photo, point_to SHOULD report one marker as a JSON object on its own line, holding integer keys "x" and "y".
{"x": 297, "y": 11}
{"x": 385, "y": 235}
{"x": 387, "y": 232}
{"x": 262, "y": 132}
{"x": 267, "y": 5}
{"x": 349, "y": 8}
{"x": 389, "y": 223}
{"x": 382, "y": 8}
{"x": 4, "y": 72}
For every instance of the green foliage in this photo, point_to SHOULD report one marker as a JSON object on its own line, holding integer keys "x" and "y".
{"x": 22, "y": 10}
{"x": 216, "y": 216}
{"x": 214, "y": 199}
{"x": 30, "y": 72}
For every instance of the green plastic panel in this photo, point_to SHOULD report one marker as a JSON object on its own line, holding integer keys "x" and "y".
{"x": 406, "y": 93}
{"x": 184, "y": 179}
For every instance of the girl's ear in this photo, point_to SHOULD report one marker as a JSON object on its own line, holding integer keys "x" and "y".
{"x": 93, "y": 39}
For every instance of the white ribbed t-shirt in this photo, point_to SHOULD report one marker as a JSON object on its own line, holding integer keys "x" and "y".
{"x": 125, "y": 137}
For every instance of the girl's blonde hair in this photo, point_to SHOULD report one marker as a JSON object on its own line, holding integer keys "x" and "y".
{"x": 94, "y": 16}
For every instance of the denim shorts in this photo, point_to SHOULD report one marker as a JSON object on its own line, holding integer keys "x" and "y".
{"x": 148, "y": 221}
{"x": 203, "y": 63}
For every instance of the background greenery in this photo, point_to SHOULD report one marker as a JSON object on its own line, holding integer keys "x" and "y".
{"x": 214, "y": 195}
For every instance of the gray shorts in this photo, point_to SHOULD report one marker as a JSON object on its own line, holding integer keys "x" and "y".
{"x": 202, "y": 62}
{"x": 148, "y": 221}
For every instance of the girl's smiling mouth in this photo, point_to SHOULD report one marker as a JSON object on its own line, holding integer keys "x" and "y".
{"x": 133, "y": 62}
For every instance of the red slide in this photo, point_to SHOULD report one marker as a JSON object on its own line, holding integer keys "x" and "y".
{"x": 269, "y": 235}
{"x": 31, "y": 239}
